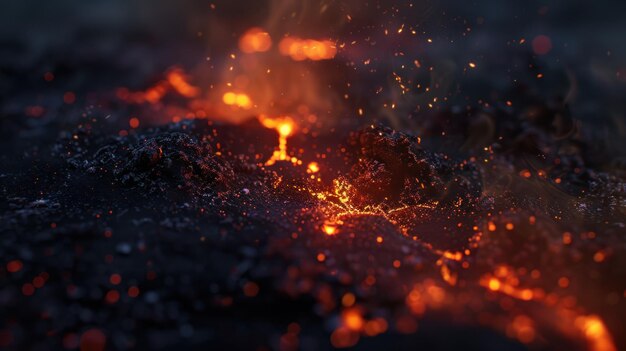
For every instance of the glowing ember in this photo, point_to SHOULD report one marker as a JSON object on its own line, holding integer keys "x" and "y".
{"x": 313, "y": 167}
{"x": 237, "y": 99}
{"x": 303, "y": 49}
{"x": 285, "y": 127}
{"x": 255, "y": 40}
{"x": 329, "y": 229}
{"x": 177, "y": 79}
{"x": 596, "y": 333}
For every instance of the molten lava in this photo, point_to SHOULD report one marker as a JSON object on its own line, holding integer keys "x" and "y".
{"x": 285, "y": 127}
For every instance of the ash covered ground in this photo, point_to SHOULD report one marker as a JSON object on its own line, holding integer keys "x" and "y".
{"x": 493, "y": 221}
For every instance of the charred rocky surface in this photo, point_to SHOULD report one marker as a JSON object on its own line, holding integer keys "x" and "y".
{"x": 392, "y": 167}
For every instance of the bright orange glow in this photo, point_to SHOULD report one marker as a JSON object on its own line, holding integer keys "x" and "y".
{"x": 237, "y": 99}
{"x": 596, "y": 333}
{"x": 285, "y": 127}
{"x": 352, "y": 319}
{"x": 133, "y": 122}
{"x": 494, "y": 284}
{"x": 329, "y": 229}
{"x": 255, "y": 40}
{"x": 313, "y": 167}
{"x": 177, "y": 79}
{"x": 303, "y": 49}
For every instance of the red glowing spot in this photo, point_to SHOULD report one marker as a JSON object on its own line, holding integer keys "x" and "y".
{"x": 115, "y": 279}
{"x": 542, "y": 44}
{"x": 133, "y": 291}
{"x": 34, "y": 111}
{"x": 38, "y": 282}
{"x": 112, "y": 297}
{"x": 48, "y": 76}
{"x": 14, "y": 266}
{"x": 69, "y": 97}
{"x": 321, "y": 257}
{"x": 93, "y": 340}
{"x": 133, "y": 122}
{"x": 28, "y": 289}
{"x": 250, "y": 289}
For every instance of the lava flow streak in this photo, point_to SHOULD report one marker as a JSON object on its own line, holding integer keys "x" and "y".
{"x": 285, "y": 127}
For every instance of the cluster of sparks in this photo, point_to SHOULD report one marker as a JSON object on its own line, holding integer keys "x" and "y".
{"x": 336, "y": 205}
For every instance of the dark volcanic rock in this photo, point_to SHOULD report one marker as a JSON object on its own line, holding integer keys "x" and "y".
{"x": 392, "y": 167}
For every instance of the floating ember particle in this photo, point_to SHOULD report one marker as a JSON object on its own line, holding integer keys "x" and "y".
{"x": 542, "y": 44}
{"x": 112, "y": 296}
{"x": 348, "y": 300}
{"x": 133, "y": 122}
{"x": 69, "y": 97}
{"x": 14, "y": 266}
{"x": 313, "y": 167}
{"x": 28, "y": 289}
{"x": 329, "y": 229}
{"x": 255, "y": 40}
{"x": 133, "y": 291}
{"x": 303, "y": 49}
{"x": 352, "y": 319}
{"x": 115, "y": 279}
{"x": 237, "y": 99}
{"x": 93, "y": 340}
{"x": 250, "y": 289}
{"x": 344, "y": 337}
